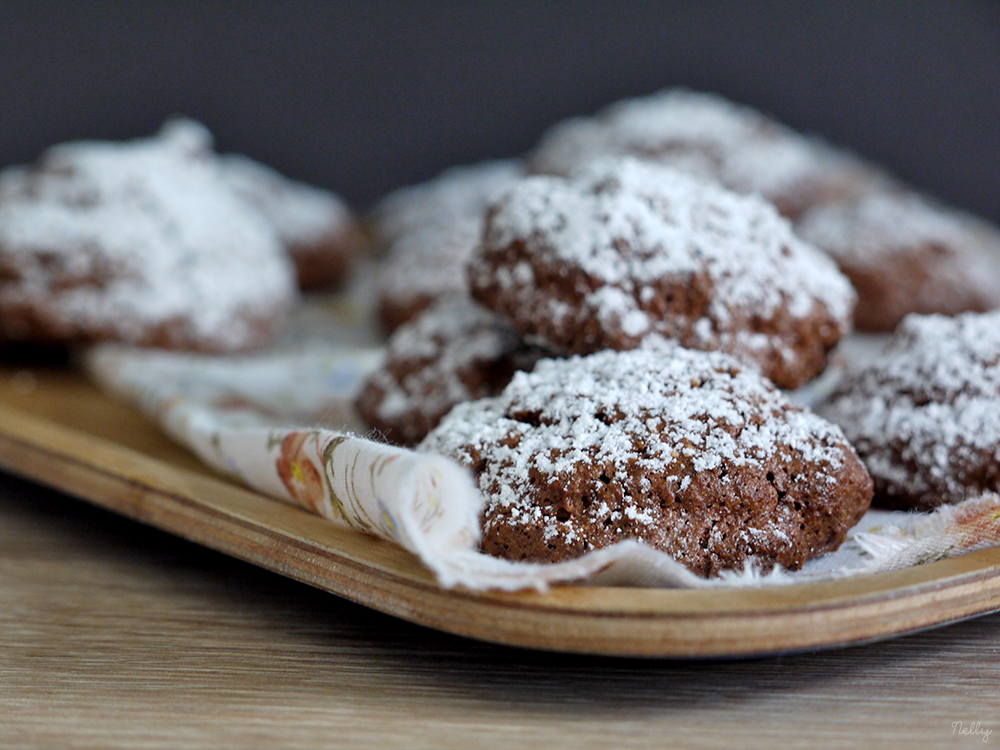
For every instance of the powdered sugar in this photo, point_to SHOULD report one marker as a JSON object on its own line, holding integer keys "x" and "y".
{"x": 925, "y": 416}
{"x": 301, "y": 214}
{"x": 430, "y": 231}
{"x": 906, "y": 254}
{"x": 121, "y": 238}
{"x": 883, "y": 223}
{"x": 429, "y": 262}
{"x": 657, "y": 410}
{"x": 458, "y": 193}
{"x": 631, "y": 225}
{"x": 448, "y": 338}
{"x": 455, "y": 351}
{"x": 706, "y": 135}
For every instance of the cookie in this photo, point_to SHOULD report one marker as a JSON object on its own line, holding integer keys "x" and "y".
{"x": 925, "y": 415}
{"x": 684, "y": 450}
{"x": 738, "y": 146}
{"x": 139, "y": 242}
{"x": 458, "y": 192}
{"x": 904, "y": 254}
{"x": 455, "y": 351}
{"x": 425, "y": 266}
{"x": 428, "y": 232}
{"x": 625, "y": 250}
{"x": 316, "y": 227}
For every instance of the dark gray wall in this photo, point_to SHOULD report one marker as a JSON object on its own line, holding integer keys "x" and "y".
{"x": 364, "y": 96}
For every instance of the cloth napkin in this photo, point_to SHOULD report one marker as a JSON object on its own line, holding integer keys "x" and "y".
{"x": 281, "y": 422}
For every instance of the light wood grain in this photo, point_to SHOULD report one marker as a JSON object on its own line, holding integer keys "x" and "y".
{"x": 113, "y": 634}
{"x": 58, "y": 430}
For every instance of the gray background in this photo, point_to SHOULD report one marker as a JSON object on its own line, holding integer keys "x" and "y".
{"x": 364, "y": 96}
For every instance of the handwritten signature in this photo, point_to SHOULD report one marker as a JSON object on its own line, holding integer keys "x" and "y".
{"x": 973, "y": 728}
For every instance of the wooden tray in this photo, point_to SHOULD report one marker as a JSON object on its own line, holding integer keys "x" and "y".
{"x": 60, "y": 431}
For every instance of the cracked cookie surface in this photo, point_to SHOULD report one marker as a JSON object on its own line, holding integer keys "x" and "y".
{"x": 687, "y": 451}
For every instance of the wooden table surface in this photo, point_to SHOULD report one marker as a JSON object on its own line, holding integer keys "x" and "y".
{"x": 113, "y": 634}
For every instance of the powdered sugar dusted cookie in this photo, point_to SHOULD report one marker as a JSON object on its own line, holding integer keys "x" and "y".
{"x": 904, "y": 254}
{"x": 426, "y": 265}
{"x": 625, "y": 250}
{"x": 140, "y": 242}
{"x": 458, "y": 192}
{"x": 925, "y": 416}
{"x": 684, "y": 450}
{"x": 316, "y": 227}
{"x": 429, "y": 231}
{"x": 453, "y": 352}
{"x": 704, "y": 134}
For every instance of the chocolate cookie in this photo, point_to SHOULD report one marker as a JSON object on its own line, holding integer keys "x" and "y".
{"x": 428, "y": 231}
{"x": 453, "y": 352}
{"x": 316, "y": 227}
{"x": 738, "y": 146}
{"x": 459, "y": 192}
{"x": 140, "y": 242}
{"x": 424, "y": 266}
{"x": 925, "y": 416}
{"x": 904, "y": 254}
{"x": 625, "y": 250}
{"x": 683, "y": 450}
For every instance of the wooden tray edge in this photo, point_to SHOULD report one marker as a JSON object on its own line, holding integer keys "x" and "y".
{"x": 580, "y": 619}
